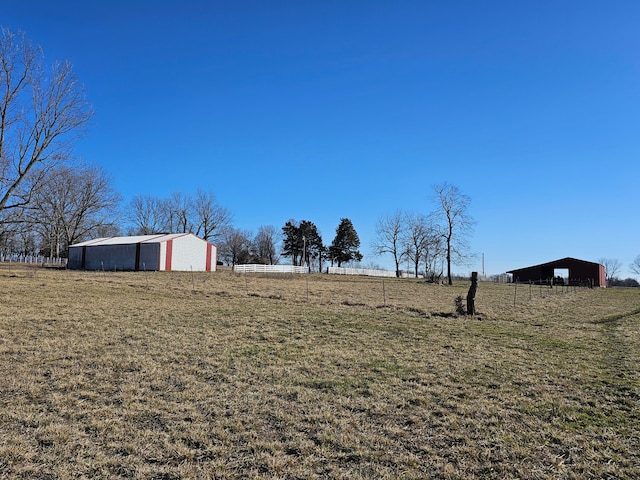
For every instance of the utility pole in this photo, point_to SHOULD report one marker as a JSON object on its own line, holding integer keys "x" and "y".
{"x": 304, "y": 249}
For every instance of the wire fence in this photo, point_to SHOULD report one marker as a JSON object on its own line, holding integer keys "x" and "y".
{"x": 532, "y": 290}
{"x": 416, "y": 295}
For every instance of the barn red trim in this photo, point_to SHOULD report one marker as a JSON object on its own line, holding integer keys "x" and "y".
{"x": 169, "y": 255}
{"x": 209, "y": 257}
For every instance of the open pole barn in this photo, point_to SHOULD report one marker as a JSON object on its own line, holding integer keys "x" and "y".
{"x": 578, "y": 272}
{"x": 163, "y": 252}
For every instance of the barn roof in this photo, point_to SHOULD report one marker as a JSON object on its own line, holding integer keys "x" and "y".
{"x": 561, "y": 263}
{"x": 159, "y": 238}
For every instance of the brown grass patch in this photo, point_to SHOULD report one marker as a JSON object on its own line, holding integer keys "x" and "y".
{"x": 171, "y": 375}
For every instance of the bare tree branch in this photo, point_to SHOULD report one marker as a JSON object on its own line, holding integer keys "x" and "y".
{"x": 388, "y": 239}
{"x": 635, "y": 265}
{"x": 72, "y": 205}
{"x": 210, "y": 218}
{"x": 611, "y": 267}
{"x": 456, "y": 224}
{"x": 41, "y": 115}
{"x": 147, "y": 215}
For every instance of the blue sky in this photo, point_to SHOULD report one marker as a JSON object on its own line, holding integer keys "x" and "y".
{"x": 323, "y": 110}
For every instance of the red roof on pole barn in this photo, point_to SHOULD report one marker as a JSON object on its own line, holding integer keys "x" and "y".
{"x": 176, "y": 251}
{"x": 581, "y": 272}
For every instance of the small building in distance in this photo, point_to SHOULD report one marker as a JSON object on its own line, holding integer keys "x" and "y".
{"x": 576, "y": 272}
{"x": 163, "y": 252}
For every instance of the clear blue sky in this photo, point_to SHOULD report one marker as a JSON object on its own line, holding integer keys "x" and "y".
{"x": 322, "y": 110}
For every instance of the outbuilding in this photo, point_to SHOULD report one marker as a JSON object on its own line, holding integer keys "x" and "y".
{"x": 571, "y": 270}
{"x": 165, "y": 252}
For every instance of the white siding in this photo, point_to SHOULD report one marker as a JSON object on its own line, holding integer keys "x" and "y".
{"x": 189, "y": 253}
{"x": 149, "y": 252}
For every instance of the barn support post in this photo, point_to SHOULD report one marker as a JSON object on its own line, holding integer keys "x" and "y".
{"x": 136, "y": 267}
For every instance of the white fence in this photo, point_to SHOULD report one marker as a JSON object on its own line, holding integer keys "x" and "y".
{"x": 256, "y": 268}
{"x": 405, "y": 274}
{"x": 32, "y": 259}
{"x": 360, "y": 271}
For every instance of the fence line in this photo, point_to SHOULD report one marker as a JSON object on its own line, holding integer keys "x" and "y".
{"x": 360, "y": 271}
{"x": 257, "y": 268}
{"x": 32, "y": 259}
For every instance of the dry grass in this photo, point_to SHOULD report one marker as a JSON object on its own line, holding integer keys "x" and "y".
{"x": 169, "y": 375}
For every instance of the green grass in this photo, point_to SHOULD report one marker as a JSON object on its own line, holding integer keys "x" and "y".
{"x": 169, "y": 375}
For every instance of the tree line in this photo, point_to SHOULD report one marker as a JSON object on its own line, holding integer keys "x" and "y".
{"x": 49, "y": 201}
{"x": 432, "y": 242}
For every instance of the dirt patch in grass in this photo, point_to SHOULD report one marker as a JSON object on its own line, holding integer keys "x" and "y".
{"x": 170, "y": 375}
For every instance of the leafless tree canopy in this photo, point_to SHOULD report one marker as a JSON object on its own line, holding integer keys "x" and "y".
{"x": 201, "y": 215}
{"x": 178, "y": 212}
{"x": 265, "y": 245}
{"x": 147, "y": 215}
{"x": 74, "y": 204}
{"x": 635, "y": 265}
{"x": 234, "y": 249}
{"x": 422, "y": 244}
{"x": 612, "y": 267}
{"x": 388, "y": 237}
{"x": 456, "y": 224}
{"x": 414, "y": 237}
{"x": 211, "y": 218}
{"x": 42, "y": 112}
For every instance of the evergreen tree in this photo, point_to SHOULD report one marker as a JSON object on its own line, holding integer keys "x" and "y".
{"x": 313, "y": 249}
{"x": 344, "y": 247}
{"x": 292, "y": 243}
{"x": 303, "y": 243}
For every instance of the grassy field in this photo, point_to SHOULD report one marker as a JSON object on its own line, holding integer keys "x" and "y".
{"x": 178, "y": 375}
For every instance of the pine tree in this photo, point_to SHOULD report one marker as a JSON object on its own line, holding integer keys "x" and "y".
{"x": 302, "y": 242}
{"x": 344, "y": 247}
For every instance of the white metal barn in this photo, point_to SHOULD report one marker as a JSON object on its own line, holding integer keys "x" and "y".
{"x": 176, "y": 252}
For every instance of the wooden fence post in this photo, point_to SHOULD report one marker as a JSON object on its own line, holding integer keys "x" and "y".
{"x": 471, "y": 295}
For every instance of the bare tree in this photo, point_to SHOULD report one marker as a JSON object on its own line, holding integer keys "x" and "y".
{"x": 414, "y": 240}
{"x": 13, "y": 227}
{"x": 265, "y": 245}
{"x": 235, "y": 246}
{"x": 73, "y": 204}
{"x": 635, "y": 265}
{"x": 456, "y": 224}
{"x": 611, "y": 267}
{"x": 42, "y": 112}
{"x": 210, "y": 218}
{"x": 433, "y": 256}
{"x": 420, "y": 240}
{"x": 146, "y": 212}
{"x": 178, "y": 212}
{"x": 388, "y": 238}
